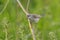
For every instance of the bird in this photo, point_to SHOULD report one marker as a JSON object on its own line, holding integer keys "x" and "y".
{"x": 34, "y": 17}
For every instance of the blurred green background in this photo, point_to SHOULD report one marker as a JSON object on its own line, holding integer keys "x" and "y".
{"x": 14, "y": 23}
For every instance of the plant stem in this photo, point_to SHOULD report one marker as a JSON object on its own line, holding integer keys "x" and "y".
{"x": 27, "y": 6}
{"x": 22, "y": 7}
{"x": 31, "y": 29}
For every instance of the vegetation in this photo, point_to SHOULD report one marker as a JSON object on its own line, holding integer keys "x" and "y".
{"x": 14, "y": 24}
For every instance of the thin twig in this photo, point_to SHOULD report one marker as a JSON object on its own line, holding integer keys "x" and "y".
{"x": 22, "y": 7}
{"x": 27, "y": 6}
{"x": 4, "y": 7}
{"x": 31, "y": 29}
{"x": 28, "y": 19}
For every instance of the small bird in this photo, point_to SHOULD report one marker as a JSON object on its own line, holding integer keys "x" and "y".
{"x": 34, "y": 17}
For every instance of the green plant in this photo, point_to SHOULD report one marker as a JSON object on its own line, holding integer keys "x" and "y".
{"x": 14, "y": 24}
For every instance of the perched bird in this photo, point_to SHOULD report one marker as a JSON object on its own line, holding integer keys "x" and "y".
{"x": 34, "y": 17}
